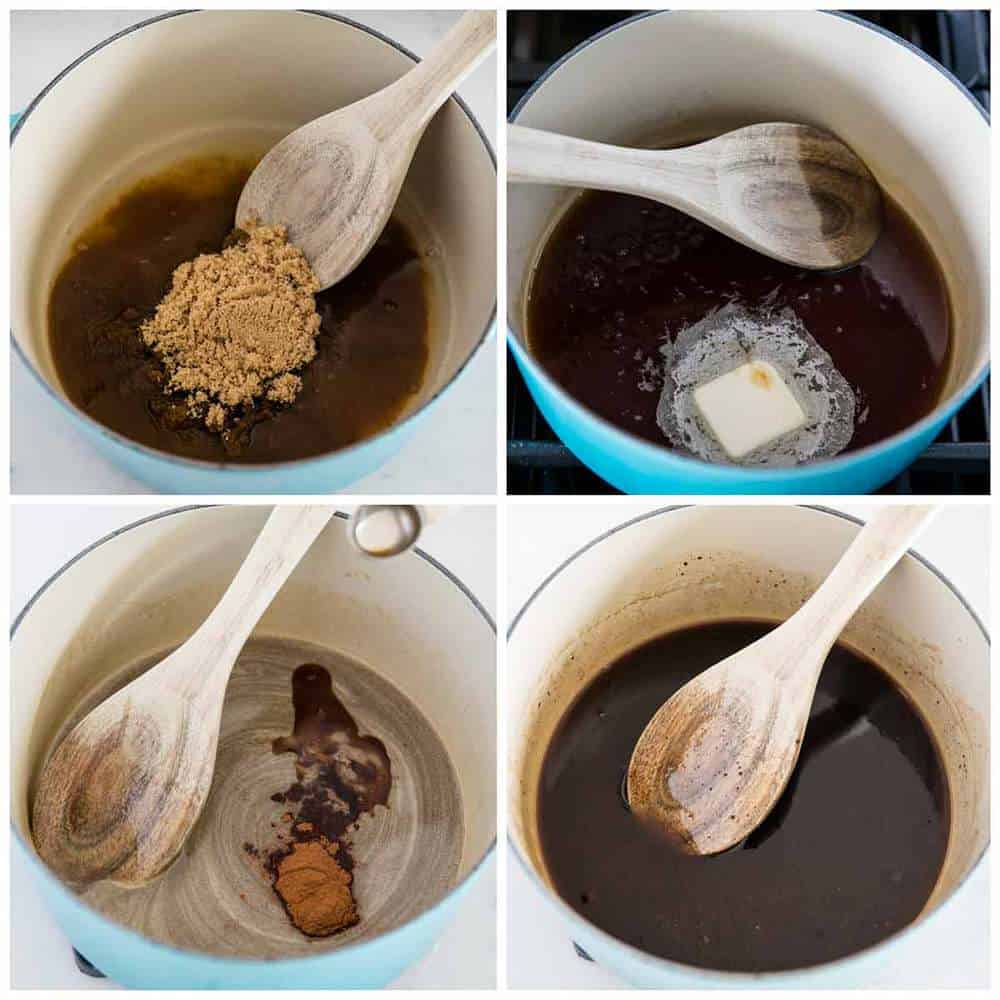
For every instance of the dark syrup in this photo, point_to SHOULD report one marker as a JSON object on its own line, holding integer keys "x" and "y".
{"x": 849, "y": 855}
{"x": 620, "y": 274}
{"x": 373, "y": 346}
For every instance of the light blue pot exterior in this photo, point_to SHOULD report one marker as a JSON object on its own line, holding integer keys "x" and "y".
{"x": 636, "y": 466}
{"x": 136, "y": 962}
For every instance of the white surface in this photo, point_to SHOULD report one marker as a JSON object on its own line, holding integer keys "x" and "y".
{"x": 539, "y": 951}
{"x": 748, "y": 407}
{"x": 455, "y": 448}
{"x": 43, "y": 538}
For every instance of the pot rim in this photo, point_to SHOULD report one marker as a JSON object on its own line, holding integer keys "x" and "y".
{"x": 242, "y": 961}
{"x": 738, "y": 475}
{"x": 247, "y": 467}
{"x": 728, "y": 978}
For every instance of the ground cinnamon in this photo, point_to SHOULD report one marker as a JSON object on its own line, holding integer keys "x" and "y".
{"x": 316, "y": 889}
{"x": 236, "y": 325}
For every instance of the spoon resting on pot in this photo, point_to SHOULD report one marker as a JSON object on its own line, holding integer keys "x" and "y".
{"x": 334, "y": 182}
{"x": 716, "y": 756}
{"x": 122, "y": 791}
{"x": 792, "y": 192}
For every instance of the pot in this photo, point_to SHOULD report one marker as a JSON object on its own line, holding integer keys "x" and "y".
{"x": 182, "y": 85}
{"x": 682, "y": 566}
{"x": 145, "y": 588}
{"x": 923, "y": 135}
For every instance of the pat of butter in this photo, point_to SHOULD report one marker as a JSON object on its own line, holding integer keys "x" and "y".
{"x": 748, "y": 407}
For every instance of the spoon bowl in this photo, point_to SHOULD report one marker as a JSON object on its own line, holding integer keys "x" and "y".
{"x": 714, "y": 759}
{"x": 797, "y": 192}
{"x": 792, "y": 192}
{"x": 116, "y": 773}
{"x": 334, "y": 182}
{"x": 122, "y": 792}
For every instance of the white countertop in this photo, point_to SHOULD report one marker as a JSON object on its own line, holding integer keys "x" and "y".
{"x": 454, "y": 452}
{"x": 44, "y": 537}
{"x": 540, "y": 953}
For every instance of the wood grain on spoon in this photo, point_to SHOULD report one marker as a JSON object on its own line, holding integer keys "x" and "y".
{"x": 120, "y": 794}
{"x": 793, "y": 192}
{"x": 335, "y": 181}
{"x": 715, "y": 758}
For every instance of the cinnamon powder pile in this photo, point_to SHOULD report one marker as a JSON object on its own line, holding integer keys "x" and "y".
{"x": 236, "y": 325}
{"x": 316, "y": 888}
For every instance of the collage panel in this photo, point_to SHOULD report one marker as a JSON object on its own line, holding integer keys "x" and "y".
{"x": 314, "y": 808}
{"x": 354, "y": 343}
{"x": 725, "y": 280}
{"x": 673, "y": 821}
{"x": 320, "y": 587}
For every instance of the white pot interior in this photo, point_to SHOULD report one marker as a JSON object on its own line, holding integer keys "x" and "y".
{"x": 147, "y": 588}
{"x": 675, "y": 77}
{"x": 702, "y": 564}
{"x": 235, "y": 82}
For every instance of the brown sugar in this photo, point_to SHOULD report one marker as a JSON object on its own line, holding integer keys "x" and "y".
{"x": 315, "y": 889}
{"x": 236, "y": 325}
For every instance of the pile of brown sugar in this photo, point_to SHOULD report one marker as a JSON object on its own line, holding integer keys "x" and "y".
{"x": 316, "y": 888}
{"x": 236, "y": 325}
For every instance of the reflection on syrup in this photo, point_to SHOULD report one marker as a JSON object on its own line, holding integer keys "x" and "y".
{"x": 849, "y": 854}
{"x": 621, "y": 274}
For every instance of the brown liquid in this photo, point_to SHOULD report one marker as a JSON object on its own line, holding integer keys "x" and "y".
{"x": 849, "y": 854}
{"x": 620, "y": 274}
{"x": 340, "y": 775}
{"x": 372, "y": 348}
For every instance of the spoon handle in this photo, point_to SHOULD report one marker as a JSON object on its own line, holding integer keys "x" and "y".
{"x": 283, "y": 541}
{"x": 685, "y": 179}
{"x": 877, "y": 548}
{"x": 418, "y": 95}
{"x": 535, "y": 156}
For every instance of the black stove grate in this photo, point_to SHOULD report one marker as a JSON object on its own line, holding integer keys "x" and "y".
{"x": 958, "y": 462}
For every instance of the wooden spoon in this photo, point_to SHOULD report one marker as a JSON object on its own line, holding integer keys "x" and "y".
{"x": 717, "y": 755}
{"x": 335, "y": 181}
{"x": 124, "y": 789}
{"x": 792, "y": 192}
